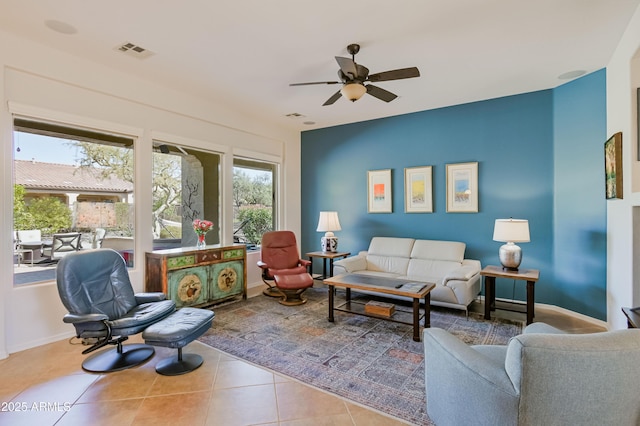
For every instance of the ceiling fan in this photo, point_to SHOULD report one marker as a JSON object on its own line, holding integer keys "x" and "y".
{"x": 353, "y": 76}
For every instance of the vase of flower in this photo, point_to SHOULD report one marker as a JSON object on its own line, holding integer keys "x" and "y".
{"x": 201, "y": 227}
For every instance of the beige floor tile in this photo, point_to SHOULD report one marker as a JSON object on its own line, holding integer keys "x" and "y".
{"x": 130, "y": 383}
{"x": 333, "y": 420}
{"x": 246, "y": 405}
{"x": 239, "y": 373}
{"x": 104, "y": 413}
{"x": 364, "y": 417}
{"x": 297, "y": 401}
{"x": 188, "y": 409}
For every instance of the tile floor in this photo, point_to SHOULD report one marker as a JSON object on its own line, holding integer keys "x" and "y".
{"x": 227, "y": 391}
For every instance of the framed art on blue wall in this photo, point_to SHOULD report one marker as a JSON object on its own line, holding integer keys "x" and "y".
{"x": 379, "y": 191}
{"x": 613, "y": 166}
{"x": 418, "y": 196}
{"x": 462, "y": 188}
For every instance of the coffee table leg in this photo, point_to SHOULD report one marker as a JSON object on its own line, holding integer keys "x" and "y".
{"x": 331, "y": 291}
{"x": 416, "y": 319}
{"x": 427, "y": 311}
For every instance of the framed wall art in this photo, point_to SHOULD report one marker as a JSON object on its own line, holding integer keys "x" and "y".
{"x": 418, "y": 190}
{"x": 462, "y": 188}
{"x": 379, "y": 191}
{"x": 613, "y": 166}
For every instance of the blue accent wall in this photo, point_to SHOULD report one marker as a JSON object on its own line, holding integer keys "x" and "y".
{"x": 515, "y": 141}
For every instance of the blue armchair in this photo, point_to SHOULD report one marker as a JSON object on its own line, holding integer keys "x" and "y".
{"x": 542, "y": 377}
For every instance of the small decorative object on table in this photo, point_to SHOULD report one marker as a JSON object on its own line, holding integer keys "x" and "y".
{"x": 201, "y": 227}
{"x": 380, "y": 308}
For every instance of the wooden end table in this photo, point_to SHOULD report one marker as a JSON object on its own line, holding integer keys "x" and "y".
{"x": 490, "y": 274}
{"x": 324, "y": 255}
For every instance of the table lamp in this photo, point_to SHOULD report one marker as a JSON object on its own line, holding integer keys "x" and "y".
{"x": 511, "y": 231}
{"x": 328, "y": 223}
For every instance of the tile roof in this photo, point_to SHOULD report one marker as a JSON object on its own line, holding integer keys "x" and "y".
{"x": 37, "y": 175}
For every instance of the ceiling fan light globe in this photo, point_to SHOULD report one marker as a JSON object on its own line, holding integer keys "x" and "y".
{"x": 353, "y": 91}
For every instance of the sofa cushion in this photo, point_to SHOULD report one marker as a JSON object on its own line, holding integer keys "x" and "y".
{"x": 450, "y": 251}
{"x": 387, "y": 254}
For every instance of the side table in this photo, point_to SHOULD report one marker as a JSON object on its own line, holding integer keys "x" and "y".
{"x": 324, "y": 255}
{"x": 490, "y": 274}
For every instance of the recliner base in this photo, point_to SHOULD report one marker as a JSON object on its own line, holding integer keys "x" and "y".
{"x": 183, "y": 364}
{"x": 112, "y": 359}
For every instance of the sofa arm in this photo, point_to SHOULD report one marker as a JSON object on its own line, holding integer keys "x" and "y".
{"x": 453, "y": 372}
{"x": 463, "y": 273}
{"x": 351, "y": 264}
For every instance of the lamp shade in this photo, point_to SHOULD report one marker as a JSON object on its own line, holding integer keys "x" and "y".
{"x": 511, "y": 230}
{"x": 353, "y": 91}
{"x": 328, "y": 222}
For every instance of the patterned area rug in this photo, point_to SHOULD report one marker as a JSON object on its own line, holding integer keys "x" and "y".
{"x": 367, "y": 360}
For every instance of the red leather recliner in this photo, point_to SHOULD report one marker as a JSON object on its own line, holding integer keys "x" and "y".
{"x": 283, "y": 271}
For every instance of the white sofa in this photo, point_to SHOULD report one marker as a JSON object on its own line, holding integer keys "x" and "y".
{"x": 441, "y": 262}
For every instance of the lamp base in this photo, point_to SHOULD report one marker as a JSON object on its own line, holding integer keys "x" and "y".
{"x": 329, "y": 244}
{"x": 510, "y": 256}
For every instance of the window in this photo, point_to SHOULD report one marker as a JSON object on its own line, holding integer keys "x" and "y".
{"x": 69, "y": 180}
{"x": 254, "y": 195}
{"x": 186, "y": 186}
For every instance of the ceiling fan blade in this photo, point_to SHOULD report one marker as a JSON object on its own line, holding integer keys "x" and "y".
{"x": 315, "y": 82}
{"x": 398, "y": 74}
{"x": 332, "y": 99}
{"x": 348, "y": 67}
{"x": 383, "y": 95}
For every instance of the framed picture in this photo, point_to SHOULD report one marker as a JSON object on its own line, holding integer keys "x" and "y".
{"x": 379, "y": 191}
{"x": 418, "y": 194}
{"x": 462, "y": 188}
{"x": 613, "y": 166}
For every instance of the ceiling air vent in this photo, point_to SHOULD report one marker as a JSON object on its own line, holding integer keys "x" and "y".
{"x": 294, "y": 115}
{"x": 134, "y": 50}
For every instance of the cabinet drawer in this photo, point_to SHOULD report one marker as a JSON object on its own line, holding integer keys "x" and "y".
{"x": 208, "y": 255}
{"x": 232, "y": 254}
{"x": 180, "y": 261}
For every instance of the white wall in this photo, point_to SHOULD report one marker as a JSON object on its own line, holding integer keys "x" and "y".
{"x": 623, "y": 78}
{"x": 45, "y": 83}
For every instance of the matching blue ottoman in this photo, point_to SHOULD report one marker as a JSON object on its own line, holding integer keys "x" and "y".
{"x": 176, "y": 331}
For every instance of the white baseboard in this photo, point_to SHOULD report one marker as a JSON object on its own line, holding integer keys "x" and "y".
{"x": 39, "y": 342}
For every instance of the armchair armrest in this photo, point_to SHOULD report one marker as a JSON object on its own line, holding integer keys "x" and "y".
{"x": 76, "y": 319}
{"x": 304, "y": 262}
{"x": 149, "y": 297}
{"x": 453, "y": 369}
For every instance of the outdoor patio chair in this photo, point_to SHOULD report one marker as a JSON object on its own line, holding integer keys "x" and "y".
{"x": 62, "y": 245}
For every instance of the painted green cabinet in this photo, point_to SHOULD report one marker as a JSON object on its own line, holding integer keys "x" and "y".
{"x": 193, "y": 277}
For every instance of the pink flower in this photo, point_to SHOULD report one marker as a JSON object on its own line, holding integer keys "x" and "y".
{"x": 201, "y": 227}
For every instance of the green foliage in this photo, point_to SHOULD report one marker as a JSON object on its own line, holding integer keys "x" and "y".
{"x": 124, "y": 219}
{"x": 50, "y": 215}
{"x": 260, "y": 221}
{"x": 22, "y": 219}
{"x": 251, "y": 191}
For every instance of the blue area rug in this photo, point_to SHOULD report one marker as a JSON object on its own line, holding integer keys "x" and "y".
{"x": 367, "y": 360}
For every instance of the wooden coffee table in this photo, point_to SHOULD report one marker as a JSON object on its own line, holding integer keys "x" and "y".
{"x": 383, "y": 286}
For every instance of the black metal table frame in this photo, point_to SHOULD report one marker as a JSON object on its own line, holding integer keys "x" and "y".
{"x": 415, "y": 311}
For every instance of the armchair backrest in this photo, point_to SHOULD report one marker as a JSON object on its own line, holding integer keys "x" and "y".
{"x": 30, "y": 235}
{"x": 279, "y": 250}
{"x": 95, "y": 281}
{"x": 581, "y": 378}
{"x": 63, "y": 244}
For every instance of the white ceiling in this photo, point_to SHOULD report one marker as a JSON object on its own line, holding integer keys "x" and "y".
{"x": 245, "y": 53}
